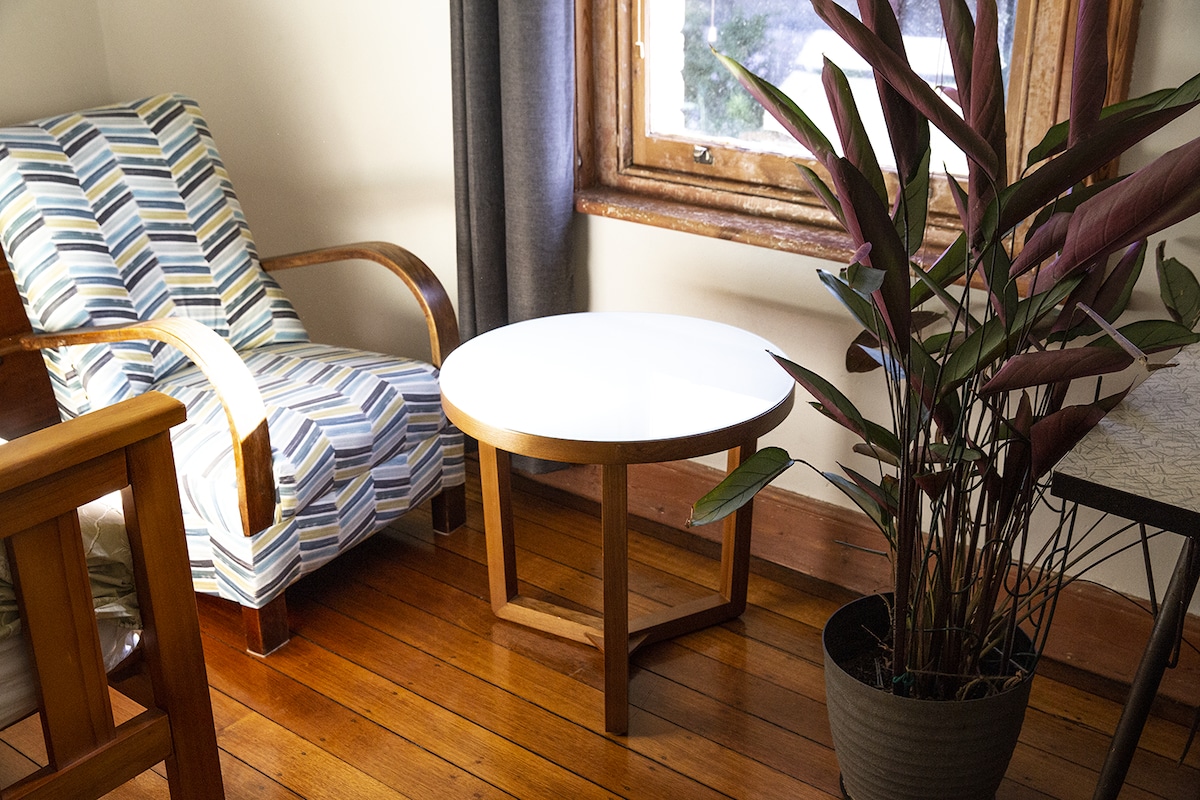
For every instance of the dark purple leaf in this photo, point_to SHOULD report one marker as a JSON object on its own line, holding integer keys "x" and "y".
{"x": 987, "y": 112}
{"x": 1050, "y": 366}
{"x": 934, "y": 483}
{"x": 960, "y": 197}
{"x": 1113, "y": 297}
{"x": 1072, "y": 317}
{"x": 897, "y": 72}
{"x": 1055, "y": 435}
{"x": 1089, "y": 70}
{"x": 908, "y": 131}
{"x": 1047, "y": 241}
{"x": 858, "y": 355}
{"x": 1156, "y": 196}
{"x": 1069, "y": 202}
{"x": 783, "y": 109}
{"x": 833, "y": 403}
{"x": 1111, "y": 137}
{"x": 959, "y": 26}
{"x": 1016, "y": 457}
{"x": 876, "y": 492}
{"x": 867, "y": 220}
{"x": 856, "y": 144}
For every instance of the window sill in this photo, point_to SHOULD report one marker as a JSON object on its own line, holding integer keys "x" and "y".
{"x": 793, "y": 237}
{"x": 803, "y": 238}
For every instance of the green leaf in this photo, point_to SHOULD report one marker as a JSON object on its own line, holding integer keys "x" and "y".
{"x": 863, "y": 500}
{"x": 947, "y": 453}
{"x": 885, "y": 494}
{"x": 880, "y": 442}
{"x": 740, "y": 486}
{"x": 912, "y": 207}
{"x": 1179, "y": 290}
{"x": 864, "y": 279}
{"x": 1154, "y": 335}
{"x": 950, "y": 266}
{"x": 987, "y": 343}
{"x": 1117, "y": 114}
{"x": 859, "y": 307}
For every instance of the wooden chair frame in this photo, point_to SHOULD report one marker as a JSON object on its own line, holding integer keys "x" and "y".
{"x": 44, "y": 477}
{"x": 266, "y": 628}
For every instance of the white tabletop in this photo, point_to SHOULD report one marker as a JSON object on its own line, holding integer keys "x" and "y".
{"x": 614, "y": 377}
{"x": 1143, "y": 458}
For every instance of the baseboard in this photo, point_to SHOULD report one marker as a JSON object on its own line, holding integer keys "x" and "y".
{"x": 1097, "y": 638}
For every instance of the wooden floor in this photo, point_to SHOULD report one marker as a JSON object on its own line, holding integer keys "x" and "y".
{"x": 399, "y": 682}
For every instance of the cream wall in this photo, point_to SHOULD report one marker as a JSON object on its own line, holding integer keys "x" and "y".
{"x": 334, "y": 119}
{"x": 51, "y": 57}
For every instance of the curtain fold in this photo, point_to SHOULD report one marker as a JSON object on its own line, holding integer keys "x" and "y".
{"x": 513, "y": 77}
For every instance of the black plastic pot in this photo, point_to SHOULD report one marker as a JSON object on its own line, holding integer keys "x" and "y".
{"x": 898, "y": 748}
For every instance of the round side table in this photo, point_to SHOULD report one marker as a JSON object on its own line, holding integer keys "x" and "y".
{"x": 613, "y": 389}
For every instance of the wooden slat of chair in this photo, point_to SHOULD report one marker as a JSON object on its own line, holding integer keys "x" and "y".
{"x": 43, "y": 477}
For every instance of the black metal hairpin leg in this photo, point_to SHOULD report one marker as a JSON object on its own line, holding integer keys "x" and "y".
{"x": 1158, "y": 654}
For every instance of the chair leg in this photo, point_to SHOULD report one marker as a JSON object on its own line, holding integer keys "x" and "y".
{"x": 266, "y": 627}
{"x": 450, "y": 509}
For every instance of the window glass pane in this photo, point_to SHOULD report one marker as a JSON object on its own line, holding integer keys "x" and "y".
{"x": 691, "y": 97}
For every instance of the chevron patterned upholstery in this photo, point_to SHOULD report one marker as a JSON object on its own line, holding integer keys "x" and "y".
{"x": 126, "y": 213}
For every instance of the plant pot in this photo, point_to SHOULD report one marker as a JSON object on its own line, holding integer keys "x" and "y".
{"x": 899, "y": 748}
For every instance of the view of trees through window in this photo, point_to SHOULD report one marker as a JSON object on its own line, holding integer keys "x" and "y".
{"x": 690, "y": 96}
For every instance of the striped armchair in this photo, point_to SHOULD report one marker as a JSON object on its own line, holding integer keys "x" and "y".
{"x": 137, "y": 272}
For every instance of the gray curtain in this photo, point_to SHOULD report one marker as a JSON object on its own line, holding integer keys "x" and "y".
{"x": 513, "y": 73}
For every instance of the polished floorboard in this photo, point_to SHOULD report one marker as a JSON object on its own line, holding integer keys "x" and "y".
{"x": 399, "y": 682}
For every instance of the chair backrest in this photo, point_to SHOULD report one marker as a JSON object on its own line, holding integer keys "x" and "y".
{"x": 123, "y": 213}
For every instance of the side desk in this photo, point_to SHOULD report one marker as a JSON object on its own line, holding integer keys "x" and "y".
{"x": 613, "y": 389}
{"x": 1142, "y": 463}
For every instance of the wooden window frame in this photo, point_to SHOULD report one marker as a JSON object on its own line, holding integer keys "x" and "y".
{"x": 610, "y": 183}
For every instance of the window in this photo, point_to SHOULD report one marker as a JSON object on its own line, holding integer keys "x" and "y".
{"x": 665, "y": 139}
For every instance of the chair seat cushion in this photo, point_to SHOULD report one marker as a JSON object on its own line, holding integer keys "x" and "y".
{"x": 333, "y": 414}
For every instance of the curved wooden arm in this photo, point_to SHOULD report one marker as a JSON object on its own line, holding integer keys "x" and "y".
{"x": 425, "y": 286}
{"x": 230, "y": 378}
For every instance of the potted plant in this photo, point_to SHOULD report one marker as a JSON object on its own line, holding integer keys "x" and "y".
{"x": 981, "y": 353}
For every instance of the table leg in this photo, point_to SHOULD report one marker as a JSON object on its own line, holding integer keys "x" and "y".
{"x": 1150, "y": 670}
{"x": 613, "y": 519}
{"x": 735, "y": 552}
{"x": 495, "y": 477}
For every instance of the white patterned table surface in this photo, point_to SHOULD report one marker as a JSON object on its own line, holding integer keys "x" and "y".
{"x": 1145, "y": 449}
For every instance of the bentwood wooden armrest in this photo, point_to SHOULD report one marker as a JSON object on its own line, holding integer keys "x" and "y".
{"x": 420, "y": 279}
{"x": 230, "y": 378}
